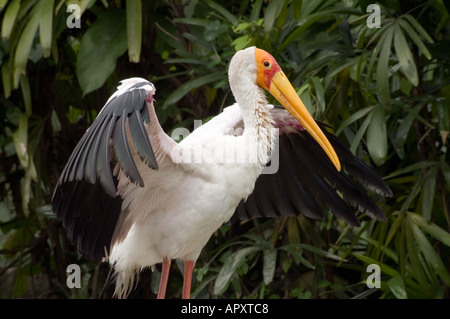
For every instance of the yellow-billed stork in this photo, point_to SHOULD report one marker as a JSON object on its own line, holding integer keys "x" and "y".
{"x": 132, "y": 194}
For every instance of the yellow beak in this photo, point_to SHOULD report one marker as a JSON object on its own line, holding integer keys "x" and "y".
{"x": 282, "y": 90}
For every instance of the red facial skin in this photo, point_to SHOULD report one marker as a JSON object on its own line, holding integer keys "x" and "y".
{"x": 266, "y": 67}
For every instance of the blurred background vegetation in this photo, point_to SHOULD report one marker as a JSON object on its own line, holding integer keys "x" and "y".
{"x": 385, "y": 91}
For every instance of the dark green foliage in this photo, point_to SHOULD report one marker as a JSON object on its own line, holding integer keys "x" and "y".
{"x": 385, "y": 91}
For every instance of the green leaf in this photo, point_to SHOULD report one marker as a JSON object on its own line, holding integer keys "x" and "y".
{"x": 46, "y": 26}
{"x": 377, "y": 136}
{"x": 24, "y": 47}
{"x": 359, "y": 134}
{"x": 281, "y": 19}
{"x": 134, "y": 29}
{"x": 270, "y": 260}
{"x": 319, "y": 93}
{"x": 443, "y": 114}
{"x": 54, "y": 120}
{"x": 418, "y": 27}
{"x": 26, "y": 93}
{"x": 308, "y": 18}
{"x": 74, "y": 114}
{"x": 428, "y": 190}
{"x": 415, "y": 37}
{"x": 297, "y": 8}
{"x": 404, "y": 128}
{"x": 294, "y": 251}
{"x": 262, "y": 243}
{"x": 387, "y": 251}
{"x": 320, "y": 252}
{"x": 9, "y": 18}
{"x": 431, "y": 256}
{"x": 187, "y": 60}
{"x": 286, "y": 264}
{"x": 335, "y": 69}
{"x": 101, "y": 45}
{"x": 293, "y": 230}
{"x": 416, "y": 265}
{"x": 20, "y": 137}
{"x": 383, "y": 267}
{"x": 3, "y": 4}
{"x": 300, "y": 293}
{"x": 383, "y": 66}
{"x": 192, "y": 21}
{"x": 230, "y": 266}
{"x": 20, "y": 284}
{"x": 411, "y": 168}
{"x": 189, "y": 9}
{"x": 190, "y": 85}
{"x": 6, "y": 79}
{"x": 354, "y": 117}
{"x": 446, "y": 172}
{"x": 305, "y": 96}
{"x": 431, "y": 228}
{"x": 210, "y": 95}
{"x": 166, "y": 31}
{"x": 271, "y": 14}
{"x": 256, "y": 9}
{"x": 25, "y": 188}
{"x": 241, "y": 42}
{"x": 405, "y": 57}
{"x": 397, "y": 287}
{"x": 224, "y": 12}
{"x": 303, "y": 24}
{"x": 440, "y": 7}
{"x": 214, "y": 30}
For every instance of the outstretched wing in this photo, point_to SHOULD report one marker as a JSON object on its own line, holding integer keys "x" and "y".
{"x": 306, "y": 180}
{"x": 85, "y": 198}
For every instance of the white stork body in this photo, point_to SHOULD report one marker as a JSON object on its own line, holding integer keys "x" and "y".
{"x": 163, "y": 200}
{"x": 216, "y": 167}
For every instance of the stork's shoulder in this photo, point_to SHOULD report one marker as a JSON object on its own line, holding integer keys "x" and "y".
{"x": 129, "y": 95}
{"x": 228, "y": 122}
{"x": 132, "y": 84}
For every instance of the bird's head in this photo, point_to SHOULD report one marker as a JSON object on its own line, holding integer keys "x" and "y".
{"x": 253, "y": 62}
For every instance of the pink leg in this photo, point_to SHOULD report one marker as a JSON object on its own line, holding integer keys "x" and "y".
{"x": 188, "y": 269}
{"x": 164, "y": 278}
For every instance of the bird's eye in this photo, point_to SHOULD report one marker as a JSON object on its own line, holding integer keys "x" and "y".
{"x": 266, "y": 64}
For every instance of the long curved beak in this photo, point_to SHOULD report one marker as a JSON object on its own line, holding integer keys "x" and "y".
{"x": 282, "y": 90}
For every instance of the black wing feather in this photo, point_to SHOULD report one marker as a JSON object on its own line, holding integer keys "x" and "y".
{"x": 89, "y": 160}
{"x": 319, "y": 162}
{"x": 104, "y": 162}
{"x": 279, "y": 198}
{"x": 141, "y": 140}
{"x": 357, "y": 168}
{"x": 85, "y": 197}
{"x": 299, "y": 197}
{"x": 306, "y": 177}
{"x": 317, "y": 186}
{"x": 123, "y": 151}
{"x": 80, "y": 219}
